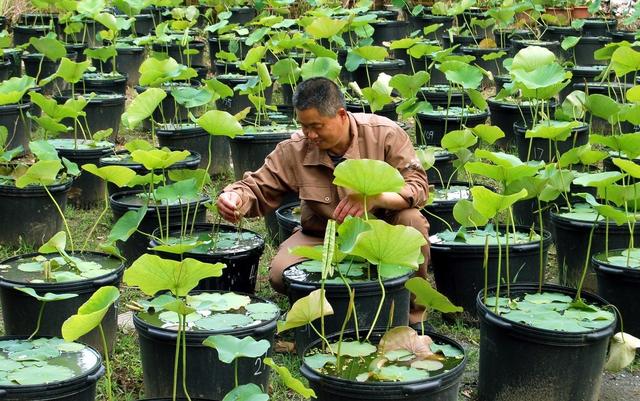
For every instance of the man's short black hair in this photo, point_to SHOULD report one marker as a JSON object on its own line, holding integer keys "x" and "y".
{"x": 320, "y": 93}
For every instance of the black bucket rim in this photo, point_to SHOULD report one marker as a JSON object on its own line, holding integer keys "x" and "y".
{"x": 118, "y": 205}
{"x": 32, "y": 190}
{"x": 139, "y": 167}
{"x": 86, "y": 284}
{"x": 196, "y": 337}
{"x": 566, "y": 222}
{"x": 87, "y": 378}
{"x": 263, "y": 137}
{"x": 601, "y": 266}
{"x": 558, "y": 338}
{"x": 20, "y": 106}
{"x": 176, "y": 228}
{"x": 116, "y": 99}
{"x": 462, "y": 248}
{"x": 190, "y": 130}
{"x": 449, "y": 377}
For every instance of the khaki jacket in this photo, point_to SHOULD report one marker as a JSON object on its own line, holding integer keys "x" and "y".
{"x": 297, "y": 165}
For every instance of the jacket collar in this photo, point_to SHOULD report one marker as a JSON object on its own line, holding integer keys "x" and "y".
{"x": 317, "y": 157}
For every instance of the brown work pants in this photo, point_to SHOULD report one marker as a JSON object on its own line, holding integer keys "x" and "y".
{"x": 406, "y": 217}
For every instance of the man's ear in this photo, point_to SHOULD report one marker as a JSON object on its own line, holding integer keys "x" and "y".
{"x": 342, "y": 113}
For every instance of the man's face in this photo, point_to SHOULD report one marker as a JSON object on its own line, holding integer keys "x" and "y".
{"x": 328, "y": 133}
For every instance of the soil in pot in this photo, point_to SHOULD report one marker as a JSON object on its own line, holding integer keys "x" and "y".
{"x": 545, "y": 149}
{"x": 216, "y": 313}
{"x": 571, "y": 235}
{"x": 172, "y": 214}
{"x": 87, "y": 190}
{"x": 436, "y": 378}
{"x": 123, "y": 158}
{"x": 91, "y": 270}
{"x": 540, "y": 348}
{"x": 288, "y": 217}
{"x": 191, "y": 137}
{"x": 305, "y": 277}
{"x": 458, "y": 261}
{"x": 64, "y": 371}
{"x": 618, "y": 282}
{"x": 28, "y": 215}
{"x": 240, "y": 251}
{"x": 433, "y": 125}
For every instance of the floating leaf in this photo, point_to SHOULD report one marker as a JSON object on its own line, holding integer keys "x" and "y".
{"x": 355, "y": 348}
{"x": 224, "y": 321}
{"x": 317, "y": 361}
{"x": 32, "y": 375}
{"x": 229, "y": 347}
{"x": 447, "y": 350}
{"x": 400, "y": 373}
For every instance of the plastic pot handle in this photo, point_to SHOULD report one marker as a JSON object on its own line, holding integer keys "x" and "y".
{"x": 421, "y": 387}
{"x": 595, "y": 337}
{"x": 94, "y": 377}
{"x": 498, "y": 322}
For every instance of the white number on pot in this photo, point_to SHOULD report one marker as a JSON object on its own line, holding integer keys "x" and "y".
{"x": 259, "y": 367}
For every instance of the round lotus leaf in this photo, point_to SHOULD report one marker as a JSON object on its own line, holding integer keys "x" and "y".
{"x": 41, "y": 374}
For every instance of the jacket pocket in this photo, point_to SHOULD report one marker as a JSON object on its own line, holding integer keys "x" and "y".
{"x": 316, "y": 194}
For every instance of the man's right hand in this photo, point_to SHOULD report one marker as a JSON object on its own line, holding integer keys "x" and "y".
{"x": 228, "y": 205}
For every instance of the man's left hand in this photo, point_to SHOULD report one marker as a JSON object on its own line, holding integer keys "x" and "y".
{"x": 352, "y": 205}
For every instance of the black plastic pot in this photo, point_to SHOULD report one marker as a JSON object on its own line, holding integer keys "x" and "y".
{"x": 176, "y": 51}
{"x": 583, "y": 74}
{"x": 28, "y": 215}
{"x": 443, "y": 387}
{"x": 39, "y": 67}
{"x": 619, "y": 286}
{"x": 195, "y": 139}
{"x": 459, "y": 272}
{"x": 137, "y": 243}
{"x": 493, "y": 66}
{"x": 287, "y": 220}
{"x": 443, "y": 165}
{"x": 442, "y": 209}
{"x": 242, "y": 15}
{"x": 387, "y": 31}
{"x": 438, "y": 96}
{"x": 460, "y": 40}
{"x": 238, "y": 102}
{"x": 521, "y": 362}
{"x": 78, "y": 49}
{"x": 20, "y": 311}
{"x": 15, "y": 58}
{"x": 619, "y": 36}
{"x": 14, "y": 118}
{"x": 367, "y": 298}
{"x": 433, "y": 126}
{"x": 572, "y": 237}
{"x": 241, "y": 273}
{"x": 103, "y": 83}
{"x": 586, "y": 46}
{"x": 599, "y": 27}
{"x": 88, "y": 190}
{"x": 102, "y": 112}
{"x": 544, "y": 149}
{"x": 128, "y": 61}
{"x": 504, "y": 114}
{"x": 248, "y": 153}
{"x": 22, "y": 34}
{"x": 503, "y": 36}
{"x": 551, "y": 45}
{"x": 120, "y": 159}
{"x": 559, "y": 33}
{"x": 418, "y": 22}
{"x": 224, "y": 43}
{"x": 6, "y": 68}
{"x": 389, "y": 67}
{"x": 388, "y": 110}
{"x": 81, "y": 387}
{"x": 500, "y": 81}
{"x": 207, "y": 377}
{"x": 143, "y": 24}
